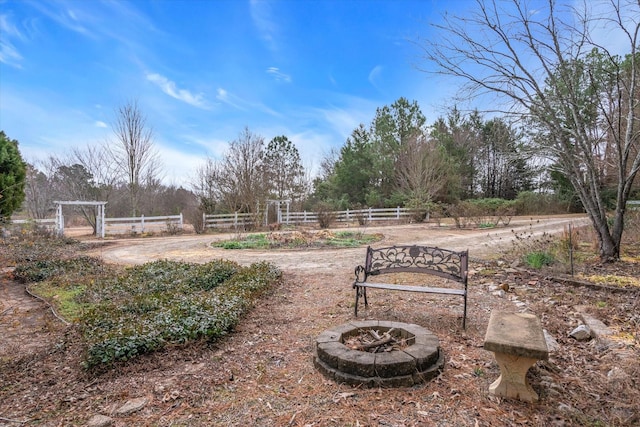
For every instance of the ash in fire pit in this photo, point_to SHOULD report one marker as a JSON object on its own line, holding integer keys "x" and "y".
{"x": 378, "y": 353}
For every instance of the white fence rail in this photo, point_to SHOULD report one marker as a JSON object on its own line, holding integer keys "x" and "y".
{"x": 234, "y": 220}
{"x": 239, "y": 220}
{"x": 633, "y": 204}
{"x": 143, "y": 224}
{"x": 131, "y": 225}
{"x": 45, "y": 221}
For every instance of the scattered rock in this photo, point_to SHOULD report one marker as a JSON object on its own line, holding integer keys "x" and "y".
{"x": 563, "y": 407}
{"x": 133, "y": 405}
{"x": 100, "y": 421}
{"x": 598, "y": 329}
{"x": 499, "y": 293}
{"x": 552, "y": 344}
{"x": 618, "y": 378}
{"x": 581, "y": 333}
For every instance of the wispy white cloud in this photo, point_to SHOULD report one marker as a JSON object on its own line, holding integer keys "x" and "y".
{"x": 8, "y": 53}
{"x": 343, "y": 120}
{"x": 101, "y": 124}
{"x": 263, "y": 20}
{"x": 224, "y": 96}
{"x": 95, "y": 20}
{"x": 278, "y": 75}
{"x": 374, "y": 75}
{"x": 170, "y": 88}
{"x": 179, "y": 167}
{"x": 243, "y": 104}
{"x": 65, "y": 16}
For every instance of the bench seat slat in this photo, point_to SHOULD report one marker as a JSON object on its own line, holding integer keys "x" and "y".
{"x": 408, "y": 288}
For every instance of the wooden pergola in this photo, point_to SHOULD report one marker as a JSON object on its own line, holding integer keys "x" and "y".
{"x": 99, "y": 215}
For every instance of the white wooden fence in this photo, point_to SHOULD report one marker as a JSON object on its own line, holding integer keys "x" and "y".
{"x": 130, "y": 225}
{"x": 144, "y": 224}
{"x": 233, "y": 220}
{"x": 633, "y": 204}
{"x": 239, "y": 220}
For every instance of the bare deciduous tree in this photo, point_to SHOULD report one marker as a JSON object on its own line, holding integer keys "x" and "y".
{"x": 39, "y": 195}
{"x": 236, "y": 182}
{"x": 134, "y": 151}
{"x": 537, "y": 59}
{"x": 421, "y": 170}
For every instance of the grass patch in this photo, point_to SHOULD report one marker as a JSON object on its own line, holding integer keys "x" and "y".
{"x": 63, "y": 298}
{"x": 538, "y": 259}
{"x": 611, "y": 280}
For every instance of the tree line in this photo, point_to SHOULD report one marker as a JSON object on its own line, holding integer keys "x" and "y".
{"x": 564, "y": 121}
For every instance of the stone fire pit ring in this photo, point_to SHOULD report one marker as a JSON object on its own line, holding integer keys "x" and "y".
{"x": 419, "y": 362}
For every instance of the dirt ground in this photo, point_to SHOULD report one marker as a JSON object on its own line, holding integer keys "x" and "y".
{"x": 262, "y": 374}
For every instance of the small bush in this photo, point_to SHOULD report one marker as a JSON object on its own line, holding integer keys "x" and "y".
{"x": 40, "y": 270}
{"x": 538, "y": 259}
{"x": 482, "y": 212}
{"x": 326, "y": 216}
{"x": 532, "y": 203}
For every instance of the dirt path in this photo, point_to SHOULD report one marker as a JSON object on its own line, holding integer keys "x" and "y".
{"x": 480, "y": 243}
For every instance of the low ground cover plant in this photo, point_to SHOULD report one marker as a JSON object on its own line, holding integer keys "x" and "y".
{"x": 168, "y": 302}
{"x": 125, "y": 312}
{"x": 298, "y": 239}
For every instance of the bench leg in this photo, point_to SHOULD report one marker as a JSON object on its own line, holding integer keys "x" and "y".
{"x": 512, "y": 382}
{"x": 464, "y": 316}
{"x": 360, "y": 292}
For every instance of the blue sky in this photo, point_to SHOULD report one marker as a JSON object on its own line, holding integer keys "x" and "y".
{"x": 203, "y": 70}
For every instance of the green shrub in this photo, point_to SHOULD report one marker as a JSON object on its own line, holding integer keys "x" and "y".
{"x": 43, "y": 269}
{"x": 538, "y": 259}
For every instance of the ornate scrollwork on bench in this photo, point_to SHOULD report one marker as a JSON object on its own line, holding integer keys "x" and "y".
{"x": 413, "y": 259}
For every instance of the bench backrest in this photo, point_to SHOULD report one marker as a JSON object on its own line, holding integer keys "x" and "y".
{"x": 418, "y": 259}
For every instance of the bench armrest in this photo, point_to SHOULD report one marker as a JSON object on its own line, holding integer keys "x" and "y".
{"x": 360, "y": 273}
